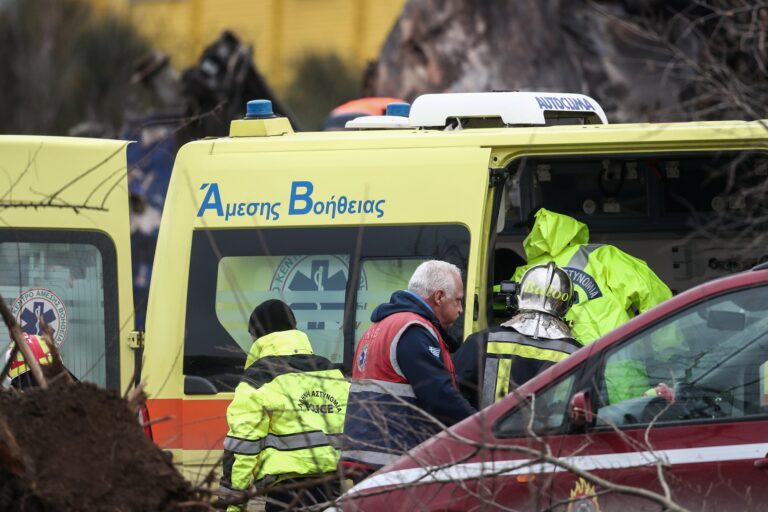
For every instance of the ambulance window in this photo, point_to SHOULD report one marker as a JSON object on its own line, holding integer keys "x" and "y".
{"x": 704, "y": 363}
{"x": 299, "y": 280}
{"x": 548, "y": 409}
{"x": 70, "y": 279}
{"x": 232, "y": 271}
{"x": 379, "y": 278}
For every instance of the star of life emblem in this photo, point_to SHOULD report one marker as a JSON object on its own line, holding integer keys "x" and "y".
{"x": 43, "y": 303}
{"x": 362, "y": 357}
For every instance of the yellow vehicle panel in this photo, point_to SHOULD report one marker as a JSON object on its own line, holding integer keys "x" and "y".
{"x": 65, "y": 249}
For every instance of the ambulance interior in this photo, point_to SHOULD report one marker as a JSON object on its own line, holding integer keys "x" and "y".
{"x": 692, "y": 217}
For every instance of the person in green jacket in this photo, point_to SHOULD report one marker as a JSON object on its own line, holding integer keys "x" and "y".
{"x": 286, "y": 419}
{"x": 611, "y": 288}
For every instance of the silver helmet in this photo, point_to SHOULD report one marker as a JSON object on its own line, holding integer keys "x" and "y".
{"x": 546, "y": 289}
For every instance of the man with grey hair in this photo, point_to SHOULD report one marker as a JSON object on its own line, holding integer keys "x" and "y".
{"x": 403, "y": 377}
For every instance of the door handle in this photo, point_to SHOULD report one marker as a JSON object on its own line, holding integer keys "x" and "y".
{"x": 761, "y": 463}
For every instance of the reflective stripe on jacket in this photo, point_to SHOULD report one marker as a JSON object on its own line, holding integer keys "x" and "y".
{"x": 612, "y": 286}
{"x": 512, "y": 359}
{"x": 40, "y": 351}
{"x": 287, "y": 416}
{"x": 383, "y": 419}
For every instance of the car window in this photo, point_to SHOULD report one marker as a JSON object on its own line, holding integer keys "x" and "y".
{"x": 543, "y": 413}
{"x": 707, "y": 362}
{"x": 233, "y": 270}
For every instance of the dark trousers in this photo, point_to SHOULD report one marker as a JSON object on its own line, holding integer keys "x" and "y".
{"x": 299, "y": 493}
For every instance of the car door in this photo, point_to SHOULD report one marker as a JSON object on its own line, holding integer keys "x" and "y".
{"x": 536, "y": 427}
{"x": 680, "y": 407}
{"x": 494, "y": 460}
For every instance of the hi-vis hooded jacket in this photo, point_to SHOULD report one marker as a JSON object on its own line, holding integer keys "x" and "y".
{"x": 287, "y": 416}
{"x": 611, "y": 285}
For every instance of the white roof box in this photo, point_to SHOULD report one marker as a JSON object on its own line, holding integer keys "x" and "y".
{"x": 513, "y": 108}
{"x": 377, "y": 123}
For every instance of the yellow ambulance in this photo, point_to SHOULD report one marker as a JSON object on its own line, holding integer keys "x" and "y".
{"x": 65, "y": 250}
{"x": 333, "y": 223}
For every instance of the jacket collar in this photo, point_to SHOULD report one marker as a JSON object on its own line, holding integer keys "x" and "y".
{"x": 421, "y": 300}
{"x": 280, "y": 343}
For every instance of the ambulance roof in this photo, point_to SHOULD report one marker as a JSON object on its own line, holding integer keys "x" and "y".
{"x": 377, "y": 123}
{"x": 514, "y": 108}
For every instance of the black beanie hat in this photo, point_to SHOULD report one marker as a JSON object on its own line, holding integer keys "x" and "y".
{"x": 271, "y": 316}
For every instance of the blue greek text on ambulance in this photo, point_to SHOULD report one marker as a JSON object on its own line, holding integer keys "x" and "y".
{"x": 302, "y": 203}
{"x": 212, "y": 201}
{"x": 555, "y": 103}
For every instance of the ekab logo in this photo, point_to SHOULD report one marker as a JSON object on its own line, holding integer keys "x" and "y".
{"x": 319, "y": 283}
{"x": 362, "y": 358}
{"x": 46, "y": 304}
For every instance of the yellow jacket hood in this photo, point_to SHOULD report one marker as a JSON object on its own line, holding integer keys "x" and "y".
{"x": 552, "y": 233}
{"x": 280, "y": 343}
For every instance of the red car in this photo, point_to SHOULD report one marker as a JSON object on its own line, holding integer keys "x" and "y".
{"x": 675, "y": 402}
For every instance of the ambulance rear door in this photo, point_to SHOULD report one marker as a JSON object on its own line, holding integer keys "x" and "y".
{"x": 65, "y": 250}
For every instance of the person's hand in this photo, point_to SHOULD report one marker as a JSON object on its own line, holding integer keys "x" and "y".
{"x": 665, "y": 392}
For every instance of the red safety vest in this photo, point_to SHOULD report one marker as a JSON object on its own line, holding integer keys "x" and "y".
{"x": 376, "y": 354}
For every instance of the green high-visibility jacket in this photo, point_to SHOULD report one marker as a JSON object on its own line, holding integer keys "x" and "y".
{"x": 612, "y": 286}
{"x": 287, "y": 417}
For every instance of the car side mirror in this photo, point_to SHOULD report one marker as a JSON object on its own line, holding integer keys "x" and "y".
{"x": 580, "y": 409}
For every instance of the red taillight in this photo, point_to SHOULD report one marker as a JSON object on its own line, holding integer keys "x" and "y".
{"x": 144, "y": 421}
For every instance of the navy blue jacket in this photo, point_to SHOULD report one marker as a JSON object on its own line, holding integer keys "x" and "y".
{"x": 418, "y": 355}
{"x": 385, "y": 420}
{"x": 471, "y": 359}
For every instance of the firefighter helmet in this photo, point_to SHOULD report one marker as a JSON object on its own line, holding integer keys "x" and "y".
{"x": 39, "y": 348}
{"x": 546, "y": 289}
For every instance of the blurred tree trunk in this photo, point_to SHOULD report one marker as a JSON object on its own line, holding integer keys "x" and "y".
{"x": 642, "y": 60}
{"x": 63, "y": 65}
